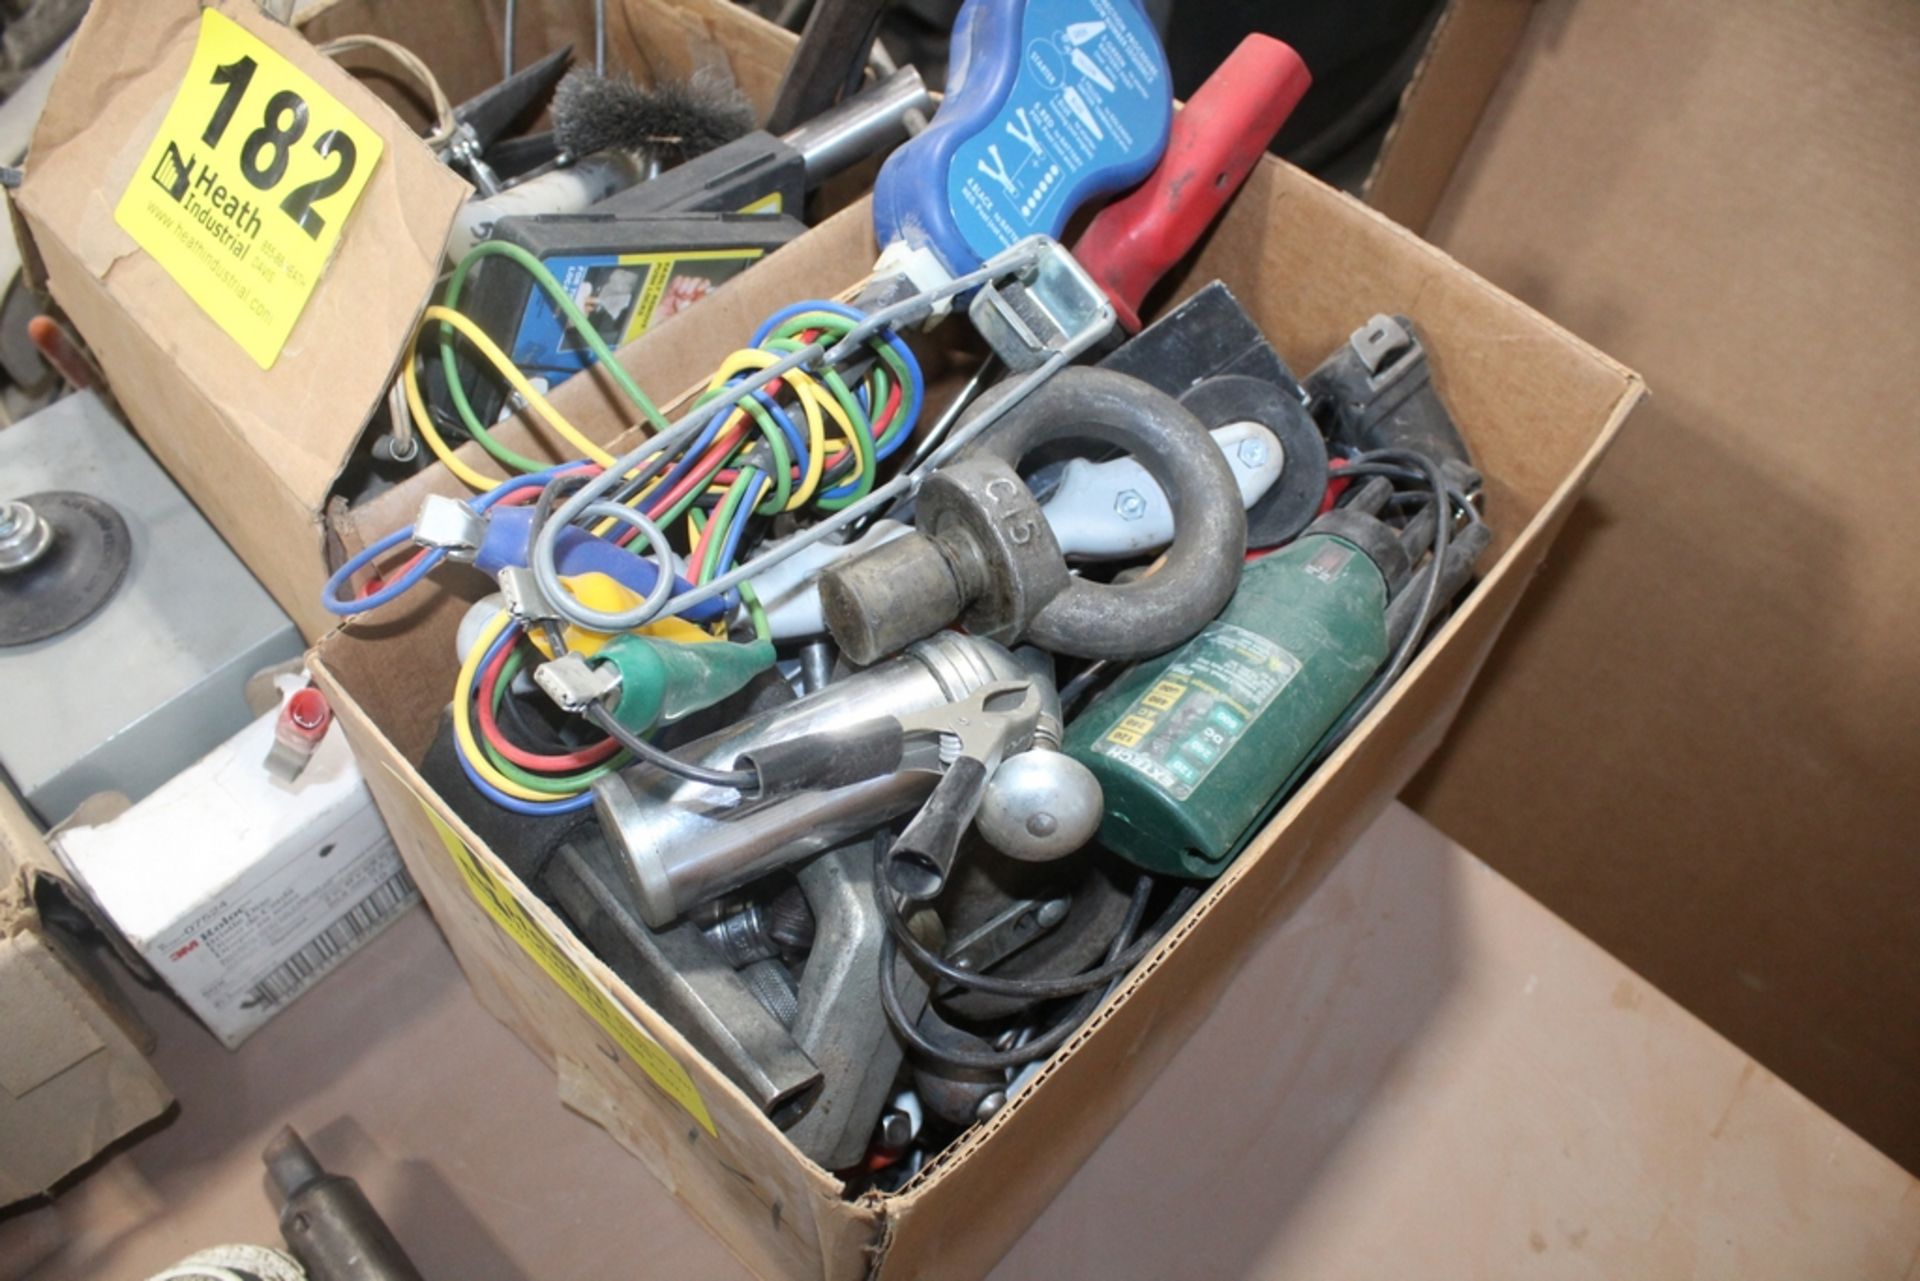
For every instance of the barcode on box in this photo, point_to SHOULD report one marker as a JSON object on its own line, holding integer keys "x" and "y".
{"x": 293, "y": 975}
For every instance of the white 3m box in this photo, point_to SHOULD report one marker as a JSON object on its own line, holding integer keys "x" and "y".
{"x": 239, "y": 888}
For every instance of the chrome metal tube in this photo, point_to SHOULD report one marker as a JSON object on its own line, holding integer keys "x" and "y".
{"x": 864, "y": 124}
{"x": 681, "y": 843}
{"x": 572, "y": 189}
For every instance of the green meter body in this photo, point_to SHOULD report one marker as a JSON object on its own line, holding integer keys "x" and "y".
{"x": 1192, "y": 747}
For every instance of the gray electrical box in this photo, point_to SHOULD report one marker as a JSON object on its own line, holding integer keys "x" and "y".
{"x": 156, "y": 679}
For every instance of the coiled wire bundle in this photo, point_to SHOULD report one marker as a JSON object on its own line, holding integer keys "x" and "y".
{"x": 806, "y": 441}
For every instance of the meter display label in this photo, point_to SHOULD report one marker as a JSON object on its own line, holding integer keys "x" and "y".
{"x": 623, "y": 296}
{"x": 1184, "y": 724}
{"x": 242, "y": 195}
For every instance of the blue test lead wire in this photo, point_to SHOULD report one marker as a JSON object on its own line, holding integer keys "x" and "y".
{"x": 916, "y": 379}
{"x": 336, "y": 603}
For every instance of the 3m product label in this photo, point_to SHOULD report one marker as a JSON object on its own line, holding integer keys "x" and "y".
{"x": 280, "y": 927}
{"x": 623, "y": 296}
{"x": 242, "y": 195}
{"x": 1183, "y": 725}
{"x": 662, "y": 1068}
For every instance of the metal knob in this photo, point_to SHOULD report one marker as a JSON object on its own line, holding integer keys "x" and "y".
{"x": 24, "y": 536}
{"x": 1040, "y": 805}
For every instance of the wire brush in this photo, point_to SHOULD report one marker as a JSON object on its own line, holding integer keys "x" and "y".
{"x": 676, "y": 119}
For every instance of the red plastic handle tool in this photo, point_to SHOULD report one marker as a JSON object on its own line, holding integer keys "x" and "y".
{"x": 1215, "y": 141}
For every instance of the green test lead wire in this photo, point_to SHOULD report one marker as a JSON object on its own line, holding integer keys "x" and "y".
{"x": 575, "y": 318}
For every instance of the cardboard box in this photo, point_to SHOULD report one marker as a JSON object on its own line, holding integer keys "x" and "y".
{"x": 74, "y": 1074}
{"x": 266, "y": 884}
{"x": 1472, "y": 44}
{"x": 1539, "y": 407}
{"x": 258, "y": 449}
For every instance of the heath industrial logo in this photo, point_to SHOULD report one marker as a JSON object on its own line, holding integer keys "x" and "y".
{"x": 244, "y": 190}
{"x": 173, "y": 173}
{"x": 233, "y": 222}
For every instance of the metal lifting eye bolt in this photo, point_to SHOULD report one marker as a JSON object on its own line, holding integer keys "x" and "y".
{"x": 983, "y": 552}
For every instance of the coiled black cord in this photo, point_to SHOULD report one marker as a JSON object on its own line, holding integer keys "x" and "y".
{"x": 1040, "y": 1046}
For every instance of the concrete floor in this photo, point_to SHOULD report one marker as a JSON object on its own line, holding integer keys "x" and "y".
{"x": 1421, "y": 1071}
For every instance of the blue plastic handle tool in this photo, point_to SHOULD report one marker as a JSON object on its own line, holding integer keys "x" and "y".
{"x": 1049, "y": 103}
{"x": 509, "y": 541}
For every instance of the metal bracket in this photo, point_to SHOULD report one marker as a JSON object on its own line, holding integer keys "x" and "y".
{"x": 450, "y": 525}
{"x": 523, "y": 596}
{"x": 1014, "y": 926}
{"x": 1049, "y": 305}
{"x": 574, "y": 684}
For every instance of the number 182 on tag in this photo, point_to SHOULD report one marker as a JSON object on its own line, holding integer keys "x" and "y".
{"x": 245, "y": 189}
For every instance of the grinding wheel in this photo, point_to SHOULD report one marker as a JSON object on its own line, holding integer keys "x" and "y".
{"x": 74, "y": 577}
{"x": 1295, "y": 498}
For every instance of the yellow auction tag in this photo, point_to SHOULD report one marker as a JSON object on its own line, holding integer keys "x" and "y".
{"x": 661, "y": 1067}
{"x": 243, "y": 193}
